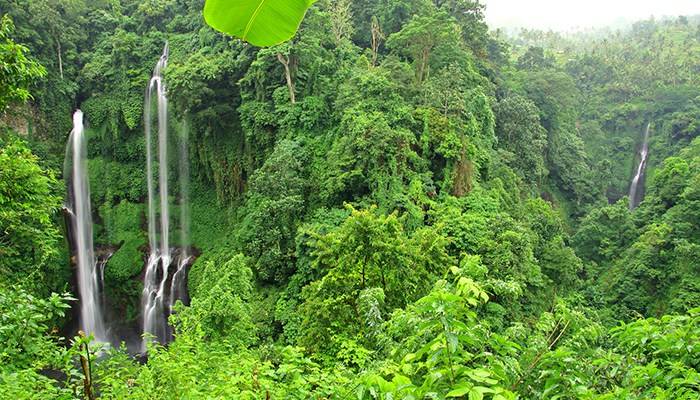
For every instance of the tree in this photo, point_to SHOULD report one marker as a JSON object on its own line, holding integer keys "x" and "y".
{"x": 275, "y": 205}
{"x": 464, "y": 132}
{"x": 439, "y": 347}
{"x": 640, "y": 280}
{"x": 341, "y": 21}
{"x": 470, "y": 18}
{"x": 28, "y": 235}
{"x": 557, "y": 260}
{"x": 220, "y": 309}
{"x": 373, "y": 154}
{"x": 17, "y": 70}
{"x": 520, "y": 132}
{"x": 670, "y": 181}
{"x": 604, "y": 233}
{"x": 368, "y": 250}
{"x": 421, "y": 36}
{"x": 28, "y": 328}
{"x": 555, "y": 95}
{"x": 535, "y": 59}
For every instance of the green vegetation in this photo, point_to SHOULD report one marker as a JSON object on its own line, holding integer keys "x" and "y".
{"x": 28, "y": 235}
{"x": 393, "y": 204}
{"x": 18, "y": 71}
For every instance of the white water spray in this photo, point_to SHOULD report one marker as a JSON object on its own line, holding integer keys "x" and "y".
{"x": 635, "y": 195}
{"x": 153, "y": 293}
{"x": 161, "y": 289}
{"x": 90, "y": 275}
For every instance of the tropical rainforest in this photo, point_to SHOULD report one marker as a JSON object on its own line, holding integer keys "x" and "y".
{"x": 397, "y": 203}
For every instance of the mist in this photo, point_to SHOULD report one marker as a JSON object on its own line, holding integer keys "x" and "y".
{"x": 569, "y": 15}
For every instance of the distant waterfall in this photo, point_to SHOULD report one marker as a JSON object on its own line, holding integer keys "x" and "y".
{"x": 636, "y": 195}
{"x": 90, "y": 275}
{"x": 161, "y": 287}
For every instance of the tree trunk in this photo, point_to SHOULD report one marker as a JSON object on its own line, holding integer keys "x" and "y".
{"x": 377, "y": 37}
{"x": 462, "y": 175}
{"x": 60, "y": 59}
{"x": 87, "y": 372}
{"x": 423, "y": 65}
{"x": 288, "y": 74}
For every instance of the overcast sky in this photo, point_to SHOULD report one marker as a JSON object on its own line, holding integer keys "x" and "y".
{"x": 563, "y": 15}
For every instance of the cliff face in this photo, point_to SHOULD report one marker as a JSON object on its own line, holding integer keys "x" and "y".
{"x": 18, "y": 118}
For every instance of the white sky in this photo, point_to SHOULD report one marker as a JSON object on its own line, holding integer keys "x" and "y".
{"x": 564, "y": 15}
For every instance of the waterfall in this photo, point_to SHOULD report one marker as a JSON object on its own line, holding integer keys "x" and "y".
{"x": 161, "y": 288}
{"x": 178, "y": 286}
{"x": 101, "y": 264}
{"x": 90, "y": 275}
{"x": 636, "y": 195}
{"x": 153, "y": 287}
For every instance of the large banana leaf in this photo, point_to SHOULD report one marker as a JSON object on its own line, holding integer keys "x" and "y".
{"x": 259, "y": 22}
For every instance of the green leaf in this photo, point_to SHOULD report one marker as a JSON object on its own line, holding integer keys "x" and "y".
{"x": 460, "y": 390}
{"x": 477, "y": 393}
{"x": 481, "y": 375}
{"x": 258, "y": 22}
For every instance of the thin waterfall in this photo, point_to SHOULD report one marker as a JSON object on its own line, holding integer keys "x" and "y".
{"x": 101, "y": 264}
{"x": 90, "y": 275}
{"x": 636, "y": 195}
{"x": 178, "y": 289}
{"x": 161, "y": 287}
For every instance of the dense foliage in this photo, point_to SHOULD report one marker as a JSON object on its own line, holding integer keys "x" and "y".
{"x": 395, "y": 204}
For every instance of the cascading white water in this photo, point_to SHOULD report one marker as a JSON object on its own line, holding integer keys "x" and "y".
{"x": 161, "y": 289}
{"x": 90, "y": 276}
{"x": 153, "y": 288}
{"x": 635, "y": 194}
{"x": 101, "y": 264}
{"x": 178, "y": 288}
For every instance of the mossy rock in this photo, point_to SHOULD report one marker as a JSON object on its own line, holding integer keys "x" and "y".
{"x": 122, "y": 227}
{"x": 127, "y": 262}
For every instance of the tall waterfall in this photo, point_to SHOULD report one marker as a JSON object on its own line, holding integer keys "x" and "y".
{"x": 178, "y": 286}
{"x": 162, "y": 287}
{"x": 90, "y": 275}
{"x": 636, "y": 195}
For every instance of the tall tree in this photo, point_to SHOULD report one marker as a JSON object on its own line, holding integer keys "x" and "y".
{"x": 421, "y": 36}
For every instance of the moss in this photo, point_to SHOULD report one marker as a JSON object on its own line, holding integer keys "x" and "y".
{"x": 213, "y": 232}
{"x": 127, "y": 262}
{"x": 112, "y": 181}
{"x": 122, "y": 227}
{"x": 212, "y": 223}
